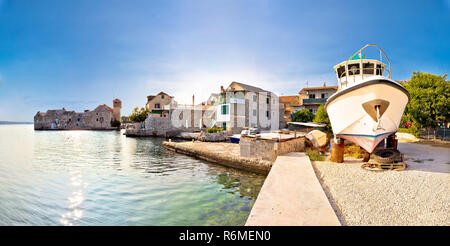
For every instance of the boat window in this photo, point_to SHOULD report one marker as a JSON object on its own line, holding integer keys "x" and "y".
{"x": 341, "y": 71}
{"x": 353, "y": 69}
{"x": 379, "y": 70}
{"x": 368, "y": 68}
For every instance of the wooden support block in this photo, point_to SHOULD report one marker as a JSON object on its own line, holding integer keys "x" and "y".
{"x": 366, "y": 156}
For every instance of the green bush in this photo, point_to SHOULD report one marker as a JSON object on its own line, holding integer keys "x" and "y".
{"x": 430, "y": 103}
{"x": 322, "y": 117}
{"x": 412, "y": 130}
{"x": 303, "y": 115}
{"x": 314, "y": 155}
{"x": 214, "y": 129}
{"x": 115, "y": 123}
{"x": 139, "y": 115}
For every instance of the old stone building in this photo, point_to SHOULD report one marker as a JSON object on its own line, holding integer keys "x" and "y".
{"x": 60, "y": 119}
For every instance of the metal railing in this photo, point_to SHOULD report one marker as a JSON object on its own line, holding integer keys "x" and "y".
{"x": 361, "y": 57}
{"x": 356, "y": 71}
{"x": 314, "y": 100}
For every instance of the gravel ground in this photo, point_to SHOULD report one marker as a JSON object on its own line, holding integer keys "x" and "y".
{"x": 419, "y": 195}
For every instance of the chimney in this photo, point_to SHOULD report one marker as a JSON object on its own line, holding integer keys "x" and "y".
{"x": 193, "y": 102}
{"x": 324, "y": 84}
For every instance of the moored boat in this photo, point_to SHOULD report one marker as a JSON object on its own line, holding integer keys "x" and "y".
{"x": 368, "y": 104}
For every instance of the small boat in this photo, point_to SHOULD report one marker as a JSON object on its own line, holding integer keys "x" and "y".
{"x": 236, "y": 138}
{"x": 368, "y": 105}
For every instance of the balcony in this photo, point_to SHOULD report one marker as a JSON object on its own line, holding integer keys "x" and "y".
{"x": 314, "y": 101}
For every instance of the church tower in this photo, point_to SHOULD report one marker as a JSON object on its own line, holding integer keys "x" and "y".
{"x": 117, "y": 105}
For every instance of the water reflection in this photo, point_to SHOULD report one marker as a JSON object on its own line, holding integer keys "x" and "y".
{"x": 104, "y": 178}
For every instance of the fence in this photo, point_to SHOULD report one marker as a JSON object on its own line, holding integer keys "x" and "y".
{"x": 438, "y": 133}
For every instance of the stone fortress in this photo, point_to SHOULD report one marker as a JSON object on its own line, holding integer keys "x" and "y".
{"x": 101, "y": 118}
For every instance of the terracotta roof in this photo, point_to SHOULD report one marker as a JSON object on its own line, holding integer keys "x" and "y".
{"x": 149, "y": 98}
{"x": 287, "y": 99}
{"x": 103, "y": 107}
{"x": 246, "y": 87}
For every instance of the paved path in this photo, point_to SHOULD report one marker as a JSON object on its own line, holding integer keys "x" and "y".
{"x": 292, "y": 195}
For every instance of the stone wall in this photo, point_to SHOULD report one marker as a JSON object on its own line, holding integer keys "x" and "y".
{"x": 154, "y": 127}
{"x": 227, "y": 159}
{"x": 269, "y": 149}
{"x": 71, "y": 120}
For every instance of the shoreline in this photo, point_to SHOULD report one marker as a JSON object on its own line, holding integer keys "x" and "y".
{"x": 222, "y": 153}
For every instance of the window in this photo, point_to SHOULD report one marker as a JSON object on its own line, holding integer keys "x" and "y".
{"x": 368, "y": 68}
{"x": 78, "y": 119}
{"x": 157, "y": 105}
{"x": 224, "y": 109}
{"x": 324, "y": 95}
{"x": 162, "y": 96}
{"x": 267, "y": 113}
{"x": 267, "y": 100}
{"x": 254, "y": 112}
{"x": 379, "y": 70}
{"x": 341, "y": 71}
{"x": 353, "y": 69}
{"x": 254, "y": 98}
{"x": 312, "y": 96}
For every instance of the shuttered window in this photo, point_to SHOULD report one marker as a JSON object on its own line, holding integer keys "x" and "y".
{"x": 225, "y": 109}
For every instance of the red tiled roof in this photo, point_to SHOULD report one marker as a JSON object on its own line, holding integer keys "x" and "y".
{"x": 104, "y": 106}
{"x": 287, "y": 99}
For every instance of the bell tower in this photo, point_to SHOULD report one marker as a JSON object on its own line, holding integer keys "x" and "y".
{"x": 117, "y": 105}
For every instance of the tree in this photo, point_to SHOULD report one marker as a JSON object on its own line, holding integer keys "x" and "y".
{"x": 139, "y": 115}
{"x": 115, "y": 123}
{"x": 322, "y": 117}
{"x": 303, "y": 115}
{"x": 429, "y": 104}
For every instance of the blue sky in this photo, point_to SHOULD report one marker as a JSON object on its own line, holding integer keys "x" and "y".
{"x": 79, "y": 54}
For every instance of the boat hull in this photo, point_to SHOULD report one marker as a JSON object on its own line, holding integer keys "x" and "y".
{"x": 353, "y": 115}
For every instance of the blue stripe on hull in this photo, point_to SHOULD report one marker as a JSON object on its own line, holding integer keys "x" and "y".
{"x": 362, "y": 135}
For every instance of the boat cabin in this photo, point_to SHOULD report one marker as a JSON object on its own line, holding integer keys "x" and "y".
{"x": 358, "y": 68}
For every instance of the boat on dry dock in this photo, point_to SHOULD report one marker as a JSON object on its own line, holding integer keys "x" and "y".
{"x": 368, "y": 104}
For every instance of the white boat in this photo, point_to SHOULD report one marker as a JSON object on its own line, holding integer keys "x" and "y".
{"x": 368, "y": 105}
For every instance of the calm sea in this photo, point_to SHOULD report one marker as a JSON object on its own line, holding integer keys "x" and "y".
{"x": 105, "y": 178}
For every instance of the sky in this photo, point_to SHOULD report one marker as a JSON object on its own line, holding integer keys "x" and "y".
{"x": 82, "y": 53}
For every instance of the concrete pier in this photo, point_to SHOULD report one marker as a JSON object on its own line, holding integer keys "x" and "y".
{"x": 292, "y": 196}
{"x": 227, "y": 154}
